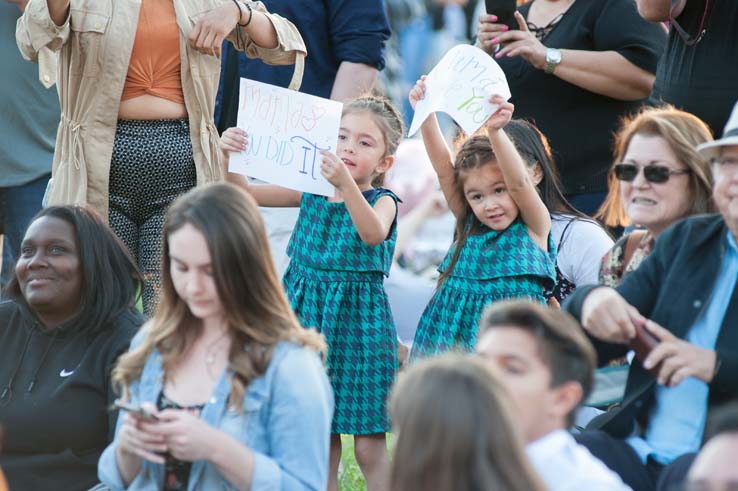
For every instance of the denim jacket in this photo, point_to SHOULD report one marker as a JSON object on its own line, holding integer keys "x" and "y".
{"x": 286, "y": 422}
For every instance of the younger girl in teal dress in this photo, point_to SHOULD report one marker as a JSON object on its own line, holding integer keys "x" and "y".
{"x": 340, "y": 251}
{"x": 503, "y": 247}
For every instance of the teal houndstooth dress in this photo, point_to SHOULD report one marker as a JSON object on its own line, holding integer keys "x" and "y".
{"x": 492, "y": 266}
{"x": 335, "y": 284}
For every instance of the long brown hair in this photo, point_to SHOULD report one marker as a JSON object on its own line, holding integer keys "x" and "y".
{"x": 534, "y": 149}
{"x": 683, "y": 132}
{"x": 256, "y": 308}
{"x": 454, "y": 430}
{"x": 473, "y": 153}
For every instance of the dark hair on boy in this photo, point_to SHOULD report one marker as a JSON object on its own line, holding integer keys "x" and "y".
{"x": 562, "y": 345}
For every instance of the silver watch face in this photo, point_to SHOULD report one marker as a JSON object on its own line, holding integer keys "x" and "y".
{"x": 553, "y": 56}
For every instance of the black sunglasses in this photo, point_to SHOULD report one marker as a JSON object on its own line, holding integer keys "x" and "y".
{"x": 652, "y": 173}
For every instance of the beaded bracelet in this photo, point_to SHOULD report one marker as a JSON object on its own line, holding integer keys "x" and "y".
{"x": 240, "y": 11}
{"x": 251, "y": 15}
{"x": 240, "y": 14}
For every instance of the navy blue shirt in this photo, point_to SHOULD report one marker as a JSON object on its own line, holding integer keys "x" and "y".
{"x": 334, "y": 31}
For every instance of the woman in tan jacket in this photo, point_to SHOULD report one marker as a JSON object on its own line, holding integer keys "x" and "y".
{"x": 137, "y": 82}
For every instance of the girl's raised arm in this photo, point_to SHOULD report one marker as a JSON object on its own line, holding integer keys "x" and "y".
{"x": 518, "y": 181}
{"x": 236, "y": 140}
{"x": 438, "y": 152}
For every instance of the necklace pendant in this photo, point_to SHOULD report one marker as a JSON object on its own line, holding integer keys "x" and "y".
{"x": 210, "y": 359}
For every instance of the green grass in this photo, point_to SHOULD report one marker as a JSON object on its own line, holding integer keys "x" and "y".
{"x": 350, "y": 477}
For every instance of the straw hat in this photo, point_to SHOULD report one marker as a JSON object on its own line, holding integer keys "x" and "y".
{"x": 730, "y": 137}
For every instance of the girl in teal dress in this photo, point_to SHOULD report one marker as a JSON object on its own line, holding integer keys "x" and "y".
{"x": 503, "y": 247}
{"x": 340, "y": 251}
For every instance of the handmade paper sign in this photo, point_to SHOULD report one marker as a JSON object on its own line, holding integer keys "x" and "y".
{"x": 460, "y": 85}
{"x": 286, "y": 131}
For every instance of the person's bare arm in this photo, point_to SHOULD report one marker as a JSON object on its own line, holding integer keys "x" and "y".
{"x": 260, "y": 29}
{"x": 606, "y": 73}
{"x": 58, "y": 10}
{"x": 658, "y": 10}
{"x": 217, "y": 24}
{"x": 438, "y": 153}
{"x": 373, "y": 223}
{"x": 270, "y": 195}
{"x": 518, "y": 182}
{"x": 353, "y": 80}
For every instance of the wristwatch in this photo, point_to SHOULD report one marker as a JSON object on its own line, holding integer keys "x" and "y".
{"x": 553, "y": 58}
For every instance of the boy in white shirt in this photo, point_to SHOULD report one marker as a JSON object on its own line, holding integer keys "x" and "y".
{"x": 546, "y": 362}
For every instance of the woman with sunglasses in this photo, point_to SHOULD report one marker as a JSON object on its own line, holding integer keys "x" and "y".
{"x": 657, "y": 179}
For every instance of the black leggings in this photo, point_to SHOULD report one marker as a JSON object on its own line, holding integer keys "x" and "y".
{"x": 152, "y": 164}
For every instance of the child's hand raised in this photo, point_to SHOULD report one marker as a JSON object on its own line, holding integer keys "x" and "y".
{"x": 418, "y": 92}
{"x": 234, "y": 140}
{"x": 334, "y": 170}
{"x": 502, "y": 116}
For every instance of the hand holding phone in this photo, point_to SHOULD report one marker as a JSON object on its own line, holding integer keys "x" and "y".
{"x": 643, "y": 342}
{"x": 504, "y": 10}
{"x": 139, "y": 411}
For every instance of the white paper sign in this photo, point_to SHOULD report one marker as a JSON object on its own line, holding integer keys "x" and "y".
{"x": 460, "y": 85}
{"x": 286, "y": 130}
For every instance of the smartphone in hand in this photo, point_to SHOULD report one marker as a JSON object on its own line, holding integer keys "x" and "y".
{"x": 643, "y": 343}
{"x": 504, "y": 10}
{"x": 138, "y": 411}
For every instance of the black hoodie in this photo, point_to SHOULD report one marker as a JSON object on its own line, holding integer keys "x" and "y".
{"x": 54, "y": 397}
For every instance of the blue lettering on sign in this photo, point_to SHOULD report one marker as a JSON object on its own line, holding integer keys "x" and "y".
{"x": 310, "y": 154}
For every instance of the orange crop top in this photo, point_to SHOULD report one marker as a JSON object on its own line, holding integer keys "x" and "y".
{"x": 155, "y": 63}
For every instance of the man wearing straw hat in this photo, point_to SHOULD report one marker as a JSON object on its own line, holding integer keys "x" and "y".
{"x": 685, "y": 295}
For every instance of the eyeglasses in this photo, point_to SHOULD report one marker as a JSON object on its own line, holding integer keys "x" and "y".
{"x": 725, "y": 161}
{"x": 687, "y": 38}
{"x": 653, "y": 173}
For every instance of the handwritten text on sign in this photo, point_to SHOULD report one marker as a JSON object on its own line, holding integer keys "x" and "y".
{"x": 287, "y": 130}
{"x": 460, "y": 85}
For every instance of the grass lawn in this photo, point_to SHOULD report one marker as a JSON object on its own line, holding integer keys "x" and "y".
{"x": 349, "y": 476}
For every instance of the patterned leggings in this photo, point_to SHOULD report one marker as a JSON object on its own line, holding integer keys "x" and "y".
{"x": 152, "y": 164}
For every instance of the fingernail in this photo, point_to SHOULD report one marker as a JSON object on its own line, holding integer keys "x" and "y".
{"x": 493, "y": 17}
{"x": 493, "y": 40}
{"x": 505, "y": 28}
{"x": 498, "y": 55}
